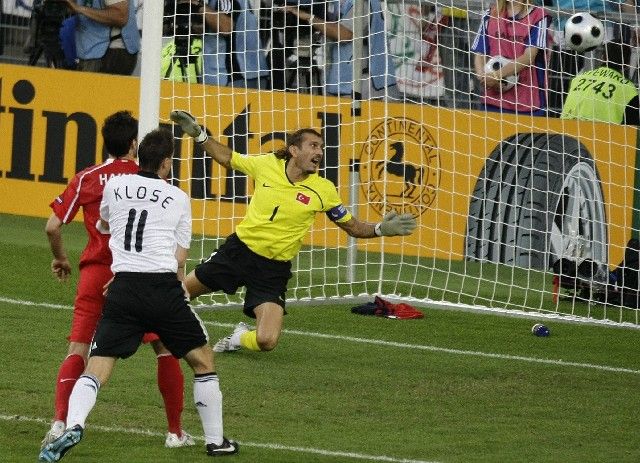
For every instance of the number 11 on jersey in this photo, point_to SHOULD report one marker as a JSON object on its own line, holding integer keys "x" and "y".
{"x": 139, "y": 229}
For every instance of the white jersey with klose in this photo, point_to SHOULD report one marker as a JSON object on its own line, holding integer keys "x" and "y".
{"x": 148, "y": 219}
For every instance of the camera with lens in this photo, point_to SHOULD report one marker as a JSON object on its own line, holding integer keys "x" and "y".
{"x": 47, "y": 17}
{"x": 50, "y": 14}
{"x": 184, "y": 21}
{"x": 295, "y": 44}
{"x": 283, "y": 19}
{"x": 289, "y": 22}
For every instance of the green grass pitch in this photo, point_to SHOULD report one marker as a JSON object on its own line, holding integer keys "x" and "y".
{"x": 452, "y": 387}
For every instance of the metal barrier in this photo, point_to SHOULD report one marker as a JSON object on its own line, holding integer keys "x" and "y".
{"x": 454, "y": 42}
{"x": 14, "y": 32}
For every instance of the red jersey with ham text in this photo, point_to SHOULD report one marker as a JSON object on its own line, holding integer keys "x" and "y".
{"x": 85, "y": 190}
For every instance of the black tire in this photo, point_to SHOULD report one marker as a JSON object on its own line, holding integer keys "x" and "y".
{"x": 538, "y": 198}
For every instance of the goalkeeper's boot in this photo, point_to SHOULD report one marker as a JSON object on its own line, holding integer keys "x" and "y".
{"x": 228, "y": 447}
{"x": 226, "y": 345}
{"x": 56, "y": 449}
{"x": 57, "y": 429}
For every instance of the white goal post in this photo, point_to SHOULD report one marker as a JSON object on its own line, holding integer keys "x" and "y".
{"x": 499, "y": 197}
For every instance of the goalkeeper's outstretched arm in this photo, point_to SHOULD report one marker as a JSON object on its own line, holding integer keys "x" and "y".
{"x": 219, "y": 152}
{"x": 392, "y": 225}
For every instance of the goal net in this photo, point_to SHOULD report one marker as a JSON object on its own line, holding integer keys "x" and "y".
{"x": 501, "y": 196}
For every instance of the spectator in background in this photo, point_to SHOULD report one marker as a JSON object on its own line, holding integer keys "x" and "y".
{"x": 183, "y": 26}
{"x": 337, "y": 29}
{"x": 107, "y": 37}
{"x": 295, "y": 47}
{"x": 233, "y": 53}
{"x": 517, "y": 31}
{"x": 604, "y": 94}
{"x": 413, "y": 43}
{"x": 566, "y": 63}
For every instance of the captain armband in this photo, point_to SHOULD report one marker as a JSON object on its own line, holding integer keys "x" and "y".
{"x": 337, "y": 213}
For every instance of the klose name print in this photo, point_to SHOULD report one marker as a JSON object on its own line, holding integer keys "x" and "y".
{"x": 141, "y": 193}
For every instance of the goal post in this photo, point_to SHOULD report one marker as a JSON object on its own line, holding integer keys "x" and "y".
{"x": 499, "y": 198}
{"x": 151, "y": 46}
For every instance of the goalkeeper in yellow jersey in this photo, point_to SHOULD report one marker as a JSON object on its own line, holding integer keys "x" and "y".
{"x": 288, "y": 194}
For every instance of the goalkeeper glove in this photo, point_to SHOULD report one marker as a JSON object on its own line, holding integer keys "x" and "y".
{"x": 189, "y": 125}
{"x": 393, "y": 224}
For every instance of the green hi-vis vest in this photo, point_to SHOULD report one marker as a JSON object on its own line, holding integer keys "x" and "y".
{"x": 182, "y": 69}
{"x": 598, "y": 95}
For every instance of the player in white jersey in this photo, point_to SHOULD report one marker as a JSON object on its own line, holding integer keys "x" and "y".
{"x": 150, "y": 224}
{"x": 149, "y": 220}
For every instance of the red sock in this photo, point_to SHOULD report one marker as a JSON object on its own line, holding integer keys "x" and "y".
{"x": 171, "y": 385}
{"x": 69, "y": 372}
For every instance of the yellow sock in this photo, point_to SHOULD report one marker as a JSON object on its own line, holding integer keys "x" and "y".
{"x": 248, "y": 340}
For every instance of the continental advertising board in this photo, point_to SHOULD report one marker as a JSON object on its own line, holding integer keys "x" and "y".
{"x": 436, "y": 163}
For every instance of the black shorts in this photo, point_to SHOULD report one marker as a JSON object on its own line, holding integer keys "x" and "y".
{"x": 138, "y": 303}
{"x": 234, "y": 265}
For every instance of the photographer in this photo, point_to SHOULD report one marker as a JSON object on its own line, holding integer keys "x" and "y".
{"x": 296, "y": 45}
{"x": 233, "y": 54}
{"x": 107, "y": 37}
{"x": 337, "y": 29}
{"x": 51, "y": 34}
{"x": 184, "y": 28}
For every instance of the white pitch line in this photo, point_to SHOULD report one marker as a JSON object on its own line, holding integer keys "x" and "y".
{"x": 446, "y": 350}
{"x": 468, "y": 352}
{"x": 35, "y": 304}
{"x": 380, "y": 342}
{"x": 269, "y": 446}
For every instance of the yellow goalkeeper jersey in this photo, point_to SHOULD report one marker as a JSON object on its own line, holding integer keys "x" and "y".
{"x": 281, "y": 213}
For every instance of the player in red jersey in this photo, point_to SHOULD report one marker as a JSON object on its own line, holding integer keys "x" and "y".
{"x": 120, "y": 133}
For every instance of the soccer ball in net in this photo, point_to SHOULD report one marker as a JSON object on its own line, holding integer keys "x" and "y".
{"x": 495, "y": 63}
{"x": 583, "y": 32}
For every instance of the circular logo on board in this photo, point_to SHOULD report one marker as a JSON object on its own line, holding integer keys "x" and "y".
{"x": 400, "y": 167}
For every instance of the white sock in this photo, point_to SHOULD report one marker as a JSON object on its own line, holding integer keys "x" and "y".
{"x": 208, "y": 400}
{"x": 58, "y": 427}
{"x": 82, "y": 399}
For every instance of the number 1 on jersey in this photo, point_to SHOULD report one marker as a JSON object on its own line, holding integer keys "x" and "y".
{"x": 275, "y": 211}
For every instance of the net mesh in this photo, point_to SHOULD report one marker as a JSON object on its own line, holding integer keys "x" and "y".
{"x": 411, "y": 123}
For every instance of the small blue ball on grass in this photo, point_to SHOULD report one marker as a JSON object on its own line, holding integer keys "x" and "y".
{"x": 540, "y": 330}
